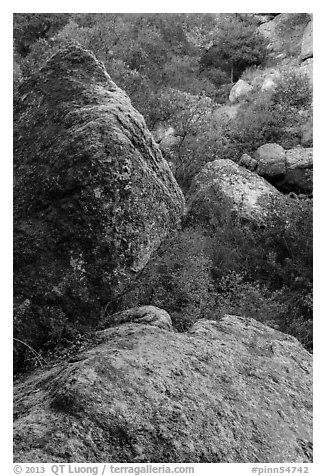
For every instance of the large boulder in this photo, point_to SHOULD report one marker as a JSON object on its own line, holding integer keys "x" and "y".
{"x": 299, "y": 170}
{"x": 93, "y": 195}
{"x": 284, "y": 33}
{"x": 239, "y": 91}
{"x": 231, "y": 391}
{"x": 144, "y": 315}
{"x": 288, "y": 170}
{"x": 271, "y": 161}
{"x": 307, "y": 42}
{"x": 250, "y": 196}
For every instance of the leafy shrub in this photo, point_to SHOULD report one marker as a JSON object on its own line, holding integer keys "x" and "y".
{"x": 178, "y": 280}
{"x": 293, "y": 90}
{"x": 250, "y": 299}
{"x": 262, "y": 272}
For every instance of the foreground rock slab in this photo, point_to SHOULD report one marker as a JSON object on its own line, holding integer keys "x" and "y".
{"x": 228, "y": 391}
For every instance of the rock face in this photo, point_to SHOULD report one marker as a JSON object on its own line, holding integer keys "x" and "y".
{"x": 248, "y": 162}
{"x": 232, "y": 391}
{"x": 143, "y": 315}
{"x": 271, "y": 161}
{"x": 249, "y": 195}
{"x": 299, "y": 173}
{"x": 307, "y": 42}
{"x": 288, "y": 170}
{"x": 285, "y": 33}
{"x": 93, "y": 195}
{"x": 239, "y": 90}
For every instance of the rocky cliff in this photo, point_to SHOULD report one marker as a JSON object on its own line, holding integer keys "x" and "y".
{"x": 230, "y": 391}
{"x": 93, "y": 195}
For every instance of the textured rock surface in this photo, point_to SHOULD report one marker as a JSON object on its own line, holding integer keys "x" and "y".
{"x": 299, "y": 170}
{"x": 228, "y": 391}
{"x": 93, "y": 196}
{"x": 250, "y": 195}
{"x": 271, "y": 161}
{"x": 248, "y": 162}
{"x": 288, "y": 170}
{"x": 239, "y": 90}
{"x": 307, "y": 42}
{"x": 144, "y": 315}
{"x": 285, "y": 33}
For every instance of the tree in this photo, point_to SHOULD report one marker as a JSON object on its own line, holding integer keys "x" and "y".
{"x": 30, "y": 27}
{"x": 237, "y": 45}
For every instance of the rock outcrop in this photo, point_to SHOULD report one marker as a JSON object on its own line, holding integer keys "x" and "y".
{"x": 231, "y": 391}
{"x": 143, "y": 315}
{"x": 250, "y": 196}
{"x": 93, "y": 195}
{"x": 271, "y": 161}
{"x": 288, "y": 170}
{"x": 299, "y": 173}
{"x": 307, "y": 42}
{"x": 285, "y": 33}
{"x": 239, "y": 91}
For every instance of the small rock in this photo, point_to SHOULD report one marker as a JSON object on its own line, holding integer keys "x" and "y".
{"x": 151, "y": 315}
{"x": 248, "y": 162}
{"x": 239, "y": 91}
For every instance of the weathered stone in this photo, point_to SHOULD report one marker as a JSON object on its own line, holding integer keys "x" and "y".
{"x": 271, "y": 161}
{"x": 288, "y": 170}
{"x": 249, "y": 195}
{"x": 284, "y": 34}
{"x": 299, "y": 174}
{"x": 239, "y": 91}
{"x": 93, "y": 195}
{"x": 144, "y": 315}
{"x": 307, "y": 42}
{"x": 231, "y": 391}
{"x": 248, "y": 162}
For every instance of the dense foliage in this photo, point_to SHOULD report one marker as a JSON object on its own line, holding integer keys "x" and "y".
{"x": 220, "y": 265}
{"x": 178, "y": 70}
{"x": 237, "y": 45}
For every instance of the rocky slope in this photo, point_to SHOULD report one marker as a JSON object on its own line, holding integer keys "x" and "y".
{"x": 93, "y": 195}
{"x": 228, "y": 391}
